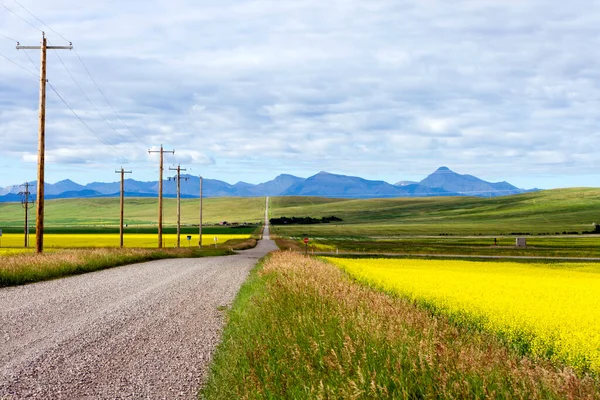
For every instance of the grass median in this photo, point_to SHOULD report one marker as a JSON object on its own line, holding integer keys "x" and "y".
{"x": 300, "y": 328}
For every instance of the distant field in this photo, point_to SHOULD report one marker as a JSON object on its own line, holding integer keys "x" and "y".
{"x": 448, "y": 225}
{"x": 138, "y": 212}
{"x": 564, "y": 246}
{"x": 11, "y": 242}
{"x": 546, "y": 212}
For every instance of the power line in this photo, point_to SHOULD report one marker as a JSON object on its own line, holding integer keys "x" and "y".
{"x": 6, "y": 37}
{"x": 29, "y": 57}
{"x": 40, "y": 21}
{"x": 86, "y": 96}
{"x": 17, "y": 64}
{"x": 139, "y": 139}
{"x": 21, "y": 18}
{"x": 79, "y": 118}
{"x": 108, "y": 102}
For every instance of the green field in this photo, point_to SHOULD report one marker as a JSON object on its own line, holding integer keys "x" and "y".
{"x": 552, "y": 221}
{"x": 435, "y": 225}
{"x": 73, "y": 223}
{"x": 545, "y": 212}
{"x": 139, "y": 212}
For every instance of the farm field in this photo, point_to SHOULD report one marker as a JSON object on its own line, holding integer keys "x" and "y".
{"x": 545, "y": 212}
{"x": 547, "y": 310}
{"x": 12, "y": 241}
{"x": 537, "y": 246}
{"x": 138, "y": 212}
{"x": 302, "y": 328}
{"x": 75, "y": 223}
{"x": 448, "y": 225}
{"x": 13, "y": 251}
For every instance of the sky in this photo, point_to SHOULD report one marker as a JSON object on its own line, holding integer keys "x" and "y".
{"x": 247, "y": 90}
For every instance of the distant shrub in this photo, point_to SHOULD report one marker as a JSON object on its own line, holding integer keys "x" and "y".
{"x": 596, "y": 230}
{"x": 303, "y": 220}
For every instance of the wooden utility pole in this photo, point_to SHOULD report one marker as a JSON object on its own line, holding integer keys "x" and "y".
{"x": 178, "y": 179}
{"x": 200, "y": 226}
{"x": 39, "y": 222}
{"x": 122, "y": 172}
{"x": 160, "y": 192}
{"x": 25, "y": 203}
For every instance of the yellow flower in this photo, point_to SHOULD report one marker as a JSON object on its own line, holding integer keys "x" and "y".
{"x": 554, "y": 309}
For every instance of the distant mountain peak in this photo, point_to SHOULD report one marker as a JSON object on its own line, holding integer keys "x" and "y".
{"x": 442, "y": 182}
{"x": 470, "y": 185}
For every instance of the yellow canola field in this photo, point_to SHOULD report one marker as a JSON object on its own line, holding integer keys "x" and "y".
{"x": 11, "y": 251}
{"x": 553, "y": 309}
{"x": 12, "y": 241}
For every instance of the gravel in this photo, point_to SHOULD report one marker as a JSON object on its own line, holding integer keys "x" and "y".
{"x": 140, "y": 331}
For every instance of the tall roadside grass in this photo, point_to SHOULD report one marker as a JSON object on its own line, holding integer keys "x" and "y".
{"x": 19, "y": 269}
{"x": 300, "y": 328}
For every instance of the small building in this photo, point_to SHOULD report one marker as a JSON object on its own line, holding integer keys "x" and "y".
{"x": 521, "y": 242}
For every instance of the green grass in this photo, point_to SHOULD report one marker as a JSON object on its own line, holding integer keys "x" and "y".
{"x": 300, "y": 329}
{"x": 138, "y": 211}
{"x": 545, "y": 212}
{"x": 19, "y": 269}
{"x": 567, "y": 246}
{"x": 449, "y": 225}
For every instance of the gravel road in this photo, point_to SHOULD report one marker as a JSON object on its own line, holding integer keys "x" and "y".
{"x": 139, "y": 331}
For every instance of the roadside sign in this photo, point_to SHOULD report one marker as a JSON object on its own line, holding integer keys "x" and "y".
{"x": 306, "y": 240}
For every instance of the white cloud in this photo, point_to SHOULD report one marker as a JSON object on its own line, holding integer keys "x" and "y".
{"x": 392, "y": 89}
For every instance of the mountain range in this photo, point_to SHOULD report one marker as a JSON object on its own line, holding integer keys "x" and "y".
{"x": 442, "y": 182}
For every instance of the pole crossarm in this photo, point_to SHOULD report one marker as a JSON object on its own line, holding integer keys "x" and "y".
{"x": 19, "y": 47}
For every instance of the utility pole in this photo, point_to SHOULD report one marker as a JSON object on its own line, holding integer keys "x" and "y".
{"x": 200, "y": 226}
{"x": 122, "y": 172}
{"x": 160, "y": 192}
{"x": 39, "y": 222}
{"x": 25, "y": 203}
{"x": 178, "y": 179}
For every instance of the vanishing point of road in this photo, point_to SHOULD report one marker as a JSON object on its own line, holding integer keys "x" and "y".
{"x": 140, "y": 331}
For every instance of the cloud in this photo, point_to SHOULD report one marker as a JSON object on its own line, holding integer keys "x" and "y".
{"x": 392, "y": 89}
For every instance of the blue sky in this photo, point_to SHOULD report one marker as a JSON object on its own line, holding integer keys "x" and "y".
{"x": 246, "y": 90}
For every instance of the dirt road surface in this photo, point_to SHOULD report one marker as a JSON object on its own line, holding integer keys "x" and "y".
{"x": 139, "y": 331}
